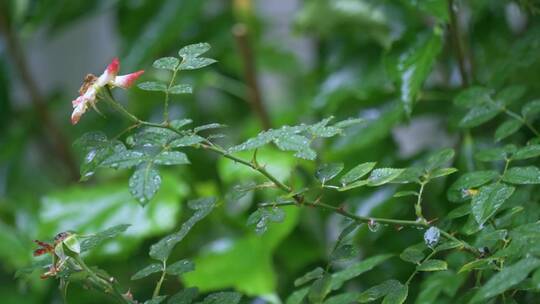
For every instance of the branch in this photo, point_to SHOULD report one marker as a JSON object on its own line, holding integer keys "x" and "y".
{"x": 240, "y": 32}
{"x": 456, "y": 40}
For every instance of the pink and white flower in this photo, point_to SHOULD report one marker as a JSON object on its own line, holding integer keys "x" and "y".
{"x": 92, "y": 85}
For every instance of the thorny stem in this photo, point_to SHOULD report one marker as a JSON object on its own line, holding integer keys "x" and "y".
{"x": 107, "y": 286}
{"x": 298, "y": 199}
{"x": 161, "y": 279}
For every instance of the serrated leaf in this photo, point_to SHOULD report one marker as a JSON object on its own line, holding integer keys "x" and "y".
{"x": 340, "y": 277}
{"x": 124, "y": 159}
{"x": 326, "y": 172}
{"x": 432, "y": 265}
{"x": 479, "y": 115}
{"x": 186, "y": 141}
{"x": 439, "y": 159}
{"x": 442, "y": 172}
{"x": 194, "y": 50}
{"x": 297, "y": 143}
{"x": 357, "y": 172}
{"x": 522, "y": 175}
{"x": 382, "y": 176}
{"x": 162, "y": 249}
{"x": 415, "y": 66}
{"x": 473, "y": 96}
{"x": 507, "y": 128}
{"x": 91, "y": 241}
{"x": 190, "y": 63}
{"x": 531, "y": 109}
{"x": 356, "y": 184}
{"x": 526, "y": 152}
{"x": 169, "y": 158}
{"x": 180, "y": 267}
{"x": 379, "y": 291}
{"x": 488, "y": 200}
{"x": 186, "y": 296}
{"x": 507, "y": 278}
{"x": 320, "y": 289}
{"x": 146, "y": 271}
{"x": 344, "y": 252}
{"x": 225, "y": 297}
{"x": 309, "y": 276}
{"x": 181, "y": 89}
{"x": 144, "y": 183}
{"x": 262, "y": 216}
{"x": 166, "y": 63}
{"x": 413, "y": 254}
{"x": 321, "y": 129}
{"x": 457, "y": 191}
{"x": 152, "y": 86}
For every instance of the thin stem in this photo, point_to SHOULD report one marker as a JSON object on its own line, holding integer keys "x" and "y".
{"x": 418, "y": 206}
{"x": 416, "y": 270}
{"x": 522, "y": 120}
{"x": 166, "y": 108}
{"x": 161, "y": 279}
{"x": 107, "y": 286}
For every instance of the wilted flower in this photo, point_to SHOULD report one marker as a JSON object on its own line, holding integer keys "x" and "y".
{"x": 92, "y": 84}
{"x": 57, "y": 251}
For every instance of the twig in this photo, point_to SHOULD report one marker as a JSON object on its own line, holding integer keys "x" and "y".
{"x": 240, "y": 32}
{"x": 58, "y": 139}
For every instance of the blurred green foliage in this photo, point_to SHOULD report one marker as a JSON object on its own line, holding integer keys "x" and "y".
{"x": 423, "y": 75}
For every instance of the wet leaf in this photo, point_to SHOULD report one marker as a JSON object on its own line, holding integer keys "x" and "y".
{"x": 144, "y": 183}
{"x": 522, "y": 175}
{"x": 146, "y": 271}
{"x": 181, "y": 89}
{"x": 152, "y": 86}
{"x": 327, "y": 172}
{"x": 432, "y": 265}
{"x": 340, "y": 277}
{"x": 171, "y": 158}
{"x": 467, "y": 181}
{"x": 382, "y": 176}
{"x": 526, "y": 152}
{"x": 309, "y": 276}
{"x": 490, "y": 198}
{"x": 413, "y": 254}
{"x": 167, "y": 63}
{"x": 186, "y": 296}
{"x": 507, "y": 128}
{"x": 357, "y": 172}
{"x": 225, "y": 297}
{"x": 180, "y": 267}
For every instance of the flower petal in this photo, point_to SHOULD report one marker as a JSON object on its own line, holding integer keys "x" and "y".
{"x": 109, "y": 74}
{"x": 125, "y": 81}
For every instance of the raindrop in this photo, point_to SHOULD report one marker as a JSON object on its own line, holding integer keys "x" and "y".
{"x": 90, "y": 156}
{"x": 373, "y": 225}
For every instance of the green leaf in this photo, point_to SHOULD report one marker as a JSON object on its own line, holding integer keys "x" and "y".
{"x": 439, "y": 159}
{"x": 492, "y": 154}
{"x": 442, "y": 172}
{"x": 320, "y": 289}
{"x": 179, "y": 123}
{"x": 156, "y": 300}
{"x": 340, "y": 277}
{"x": 194, "y": 50}
{"x": 356, "y": 184}
{"x": 344, "y": 252}
{"x": 409, "y": 175}
{"x": 190, "y": 63}
{"x": 225, "y": 297}
{"x": 326, "y": 172}
{"x": 166, "y": 63}
{"x": 526, "y": 152}
{"x": 488, "y": 200}
{"x": 473, "y": 96}
{"x": 171, "y": 158}
{"x": 511, "y": 94}
{"x": 297, "y": 296}
{"x": 97, "y": 148}
{"x": 415, "y": 66}
{"x": 382, "y": 176}
{"x": 262, "y": 216}
{"x": 309, "y": 276}
{"x": 508, "y": 128}
{"x": 479, "y": 115}
{"x": 144, "y": 183}
{"x": 186, "y": 141}
{"x": 186, "y": 296}
{"x": 507, "y": 278}
{"x": 320, "y": 129}
{"x": 162, "y": 249}
{"x": 297, "y": 143}
{"x": 456, "y": 192}
{"x": 152, "y": 86}
{"x": 531, "y": 109}
{"x": 349, "y": 122}
{"x": 180, "y": 267}
{"x": 413, "y": 254}
{"x": 181, "y": 89}
{"x": 379, "y": 291}
{"x": 436, "y": 8}
{"x": 146, "y": 271}
{"x": 357, "y": 172}
{"x": 397, "y": 295}
{"x": 432, "y": 265}
{"x": 478, "y": 264}
{"x": 208, "y": 127}
{"x": 124, "y": 159}
{"x": 459, "y": 212}
{"x": 522, "y": 175}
